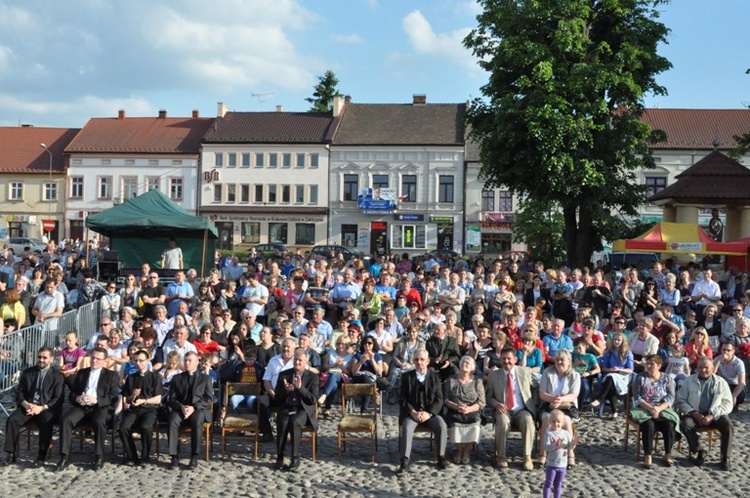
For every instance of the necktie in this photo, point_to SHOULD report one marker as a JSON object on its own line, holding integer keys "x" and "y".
{"x": 510, "y": 401}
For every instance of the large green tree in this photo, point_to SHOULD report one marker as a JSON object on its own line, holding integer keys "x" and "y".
{"x": 559, "y": 122}
{"x": 324, "y": 92}
{"x": 541, "y": 227}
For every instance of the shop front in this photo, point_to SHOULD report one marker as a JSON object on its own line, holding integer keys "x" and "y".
{"x": 23, "y": 225}
{"x": 497, "y": 232}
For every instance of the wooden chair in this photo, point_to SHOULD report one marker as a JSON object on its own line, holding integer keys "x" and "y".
{"x": 86, "y": 431}
{"x": 313, "y": 434}
{"x": 629, "y": 422}
{"x": 711, "y": 433}
{"x": 421, "y": 429}
{"x": 27, "y": 430}
{"x": 352, "y": 423}
{"x": 232, "y": 424}
{"x": 185, "y": 433}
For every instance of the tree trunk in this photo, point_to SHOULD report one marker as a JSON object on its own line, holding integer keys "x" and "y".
{"x": 571, "y": 231}
{"x": 579, "y": 234}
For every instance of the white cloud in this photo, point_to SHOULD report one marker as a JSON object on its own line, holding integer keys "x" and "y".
{"x": 424, "y": 40}
{"x": 69, "y": 113}
{"x": 348, "y": 39}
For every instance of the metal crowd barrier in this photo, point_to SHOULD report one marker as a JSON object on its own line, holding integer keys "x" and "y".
{"x": 18, "y": 349}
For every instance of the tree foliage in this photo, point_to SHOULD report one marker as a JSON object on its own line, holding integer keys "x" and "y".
{"x": 560, "y": 119}
{"x": 541, "y": 228}
{"x": 743, "y": 141}
{"x": 324, "y": 92}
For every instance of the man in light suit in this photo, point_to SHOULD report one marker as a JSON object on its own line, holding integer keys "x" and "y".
{"x": 421, "y": 403}
{"x": 508, "y": 392}
{"x": 39, "y": 397}
{"x": 190, "y": 402}
{"x": 93, "y": 396}
{"x": 296, "y": 394}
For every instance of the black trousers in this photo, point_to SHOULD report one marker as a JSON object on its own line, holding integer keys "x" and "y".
{"x": 264, "y": 417}
{"x": 195, "y": 422}
{"x": 289, "y": 423}
{"x": 690, "y": 428}
{"x": 649, "y": 428}
{"x": 144, "y": 420}
{"x": 77, "y": 415}
{"x": 44, "y": 421}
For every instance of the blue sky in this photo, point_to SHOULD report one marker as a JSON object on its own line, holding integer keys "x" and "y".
{"x": 63, "y": 62}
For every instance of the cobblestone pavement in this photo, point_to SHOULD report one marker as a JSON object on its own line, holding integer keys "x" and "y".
{"x": 604, "y": 469}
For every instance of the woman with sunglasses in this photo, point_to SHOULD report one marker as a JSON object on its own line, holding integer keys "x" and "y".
{"x": 649, "y": 297}
{"x": 698, "y": 346}
{"x": 366, "y": 367}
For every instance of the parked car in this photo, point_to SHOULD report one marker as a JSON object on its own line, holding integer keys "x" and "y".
{"x": 620, "y": 259}
{"x": 19, "y": 244}
{"x": 328, "y": 250}
{"x": 271, "y": 250}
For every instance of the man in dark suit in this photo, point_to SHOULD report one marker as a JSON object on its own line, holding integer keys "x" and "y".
{"x": 443, "y": 352}
{"x": 421, "y": 403}
{"x": 39, "y": 396}
{"x": 508, "y": 393}
{"x": 142, "y": 391}
{"x": 296, "y": 394}
{"x": 93, "y": 396}
{"x": 190, "y": 402}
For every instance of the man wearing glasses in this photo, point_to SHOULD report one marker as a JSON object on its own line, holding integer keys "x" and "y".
{"x": 105, "y": 327}
{"x": 93, "y": 396}
{"x": 39, "y": 397}
{"x": 732, "y": 325}
{"x": 142, "y": 392}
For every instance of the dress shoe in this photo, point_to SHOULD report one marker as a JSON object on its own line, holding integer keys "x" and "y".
{"x": 528, "y": 464}
{"x": 193, "y": 462}
{"x": 266, "y": 438}
{"x": 11, "y": 459}
{"x": 279, "y": 463}
{"x": 293, "y": 465}
{"x": 98, "y": 463}
{"x": 700, "y": 458}
{"x": 63, "y": 464}
{"x": 502, "y": 463}
{"x": 442, "y": 463}
{"x": 405, "y": 467}
{"x": 725, "y": 464}
{"x": 174, "y": 463}
{"x": 38, "y": 463}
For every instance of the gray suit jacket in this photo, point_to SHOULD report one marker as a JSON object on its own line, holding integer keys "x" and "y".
{"x": 495, "y": 389}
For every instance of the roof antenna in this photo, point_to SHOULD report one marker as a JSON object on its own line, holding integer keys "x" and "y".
{"x": 262, "y": 97}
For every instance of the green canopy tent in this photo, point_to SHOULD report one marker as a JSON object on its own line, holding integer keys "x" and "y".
{"x": 140, "y": 229}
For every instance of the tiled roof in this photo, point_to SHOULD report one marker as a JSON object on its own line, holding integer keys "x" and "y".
{"x": 141, "y": 135}
{"x": 715, "y": 179}
{"x": 698, "y": 128}
{"x": 402, "y": 124}
{"x": 272, "y": 128}
{"x": 20, "y": 150}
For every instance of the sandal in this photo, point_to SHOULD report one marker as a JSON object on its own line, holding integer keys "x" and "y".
{"x": 572, "y": 461}
{"x": 668, "y": 460}
{"x": 647, "y": 462}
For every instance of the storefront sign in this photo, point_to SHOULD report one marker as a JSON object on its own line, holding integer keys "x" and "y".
{"x": 498, "y": 217}
{"x": 211, "y": 176}
{"x": 18, "y": 218}
{"x": 276, "y": 219}
{"x": 441, "y": 219}
{"x": 363, "y": 235}
{"x": 378, "y": 199}
{"x": 686, "y": 246}
{"x": 409, "y": 217}
{"x": 473, "y": 237}
{"x": 502, "y": 226}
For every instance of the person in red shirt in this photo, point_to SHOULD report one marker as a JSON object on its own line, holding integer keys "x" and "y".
{"x": 411, "y": 294}
{"x": 204, "y": 344}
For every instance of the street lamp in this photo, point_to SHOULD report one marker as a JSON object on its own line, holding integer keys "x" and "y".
{"x": 49, "y": 197}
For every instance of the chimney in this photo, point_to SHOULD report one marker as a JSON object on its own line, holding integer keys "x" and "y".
{"x": 279, "y": 108}
{"x": 196, "y": 113}
{"x": 338, "y": 105}
{"x": 121, "y": 114}
{"x": 162, "y": 113}
{"x": 347, "y": 99}
{"x": 419, "y": 99}
{"x": 221, "y": 109}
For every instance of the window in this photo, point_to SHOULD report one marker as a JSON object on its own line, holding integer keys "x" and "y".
{"x": 286, "y": 160}
{"x": 251, "y": 232}
{"x": 217, "y": 192}
{"x": 407, "y": 236}
{"x": 379, "y": 181}
{"x": 445, "y": 188}
{"x": 50, "y": 191}
{"x": 272, "y": 193}
{"x": 314, "y": 159}
{"x": 655, "y": 184}
{"x": 245, "y": 160}
{"x": 259, "y": 160}
{"x": 153, "y": 162}
{"x": 349, "y": 235}
{"x": 506, "y": 200}
{"x": 351, "y": 187}
{"x": 232, "y": 160}
{"x": 176, "y": 162}
{"x": 218, "y": 159}
{"x": 305, "y": 234}
{"x": 76, "y": 187}
{"x": 299, "y": 194}
{"x": 313, "y": 194}
{"x": 273, "y": 160}
{"x": 129, "y": 187}
{"x": 300, "y": 160}
{"x": 259, "y": 193}
{"x": 105, "y": 187}
{"x": 16, "y": 191}
{"x": 175, "y": 188}
{"x": 231, "y": 192}
{"x": 286, "y": 193}
{"x": 244, "y": 192}
{"x": 152, "y": 183}
{"x": 277, "y": 233}
{"x": 488, "y": 200}
{"x": 409, "y": 188}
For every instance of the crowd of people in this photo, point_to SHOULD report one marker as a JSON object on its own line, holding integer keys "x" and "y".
{"x": 456, "y": 344}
